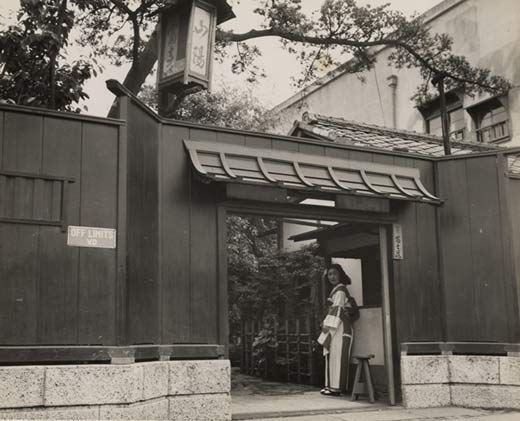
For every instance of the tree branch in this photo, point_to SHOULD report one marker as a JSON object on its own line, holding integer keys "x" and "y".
{"x": 328, "y": 41}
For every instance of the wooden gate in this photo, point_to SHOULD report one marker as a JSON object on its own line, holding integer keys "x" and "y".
{"x": 287, "y": 350}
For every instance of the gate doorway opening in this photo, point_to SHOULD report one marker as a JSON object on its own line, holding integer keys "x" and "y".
{"x": 277, "y": 300}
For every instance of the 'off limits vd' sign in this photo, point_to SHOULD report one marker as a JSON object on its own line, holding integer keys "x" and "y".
{"x": 91, "y": 237}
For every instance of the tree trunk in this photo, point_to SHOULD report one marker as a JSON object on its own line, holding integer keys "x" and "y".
{"x": 140, "y": 70}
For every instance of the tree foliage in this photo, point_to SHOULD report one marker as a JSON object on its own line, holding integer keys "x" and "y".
{"x": 340, "y": 26}
{"x": 264, "y": 280}
{"x": 125, "y": 30}
{"x": 357, "y": 31}
{"x": 32, "y": 69}
{"x": 228, "y": 107}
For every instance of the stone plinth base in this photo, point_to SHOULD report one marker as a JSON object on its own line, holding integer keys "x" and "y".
{"x": 468, "y": 381}
{"x": 169, "y": 390}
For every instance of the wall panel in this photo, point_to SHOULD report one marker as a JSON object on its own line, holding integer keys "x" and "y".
{"x": 143, "y": 236}
{"x": 175, "y": 237}
{"x": 475, "y": 281}
{"x": 487, "y": 249}
{"x": 97, "y": 267}
{"x": 203, "y": 259}
{"x": 457, "y": 251}
{"x": 405, "y": 273}
{"x": 429, "y": 306}
{"x": 19, "y": 253}
{"x": 513, "y": 192}
{"x": 58, "y": 278}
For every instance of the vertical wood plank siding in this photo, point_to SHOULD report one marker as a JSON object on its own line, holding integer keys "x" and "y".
{"x": 97, "y": 267}
{"x": 143, "y": 229}
{"x": 175, "y": 235}
{"x": 54, "y": 294}
{"x": 513, "y": 192}
{"x": 428, "y": 288}
{"x": 22, "y": 152}
{"x": 189, "y": 253}
{"x": 58, "y": 289}
{"x": 416, "y": 276}
{"x": 473, "y": 250}
{"x": 486, "y": 240}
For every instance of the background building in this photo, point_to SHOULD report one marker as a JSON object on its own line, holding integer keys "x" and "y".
{"x": 485, "y": 32}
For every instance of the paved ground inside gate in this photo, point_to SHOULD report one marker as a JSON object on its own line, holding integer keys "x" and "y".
{"x": 255, "y": 399}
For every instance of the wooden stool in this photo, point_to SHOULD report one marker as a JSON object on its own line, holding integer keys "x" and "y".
{"x": 359, "y": 387}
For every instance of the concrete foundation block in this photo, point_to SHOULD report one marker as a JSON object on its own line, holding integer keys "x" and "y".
{"x": 155, "y": 379}
{"x": 431, "y": 369}
{"x": 179, "y": 381}
{"x": 210, "y": 376}
{"x": 426, "y": 396}
{"x": 71, "y": 413}
{"x": 485, "y": 396}
{"x": 21, "y": 386}
{"x": 156, "y": 409}
{"x": 215, "y": 407}
{"x": 473, "y": 369}
{"x": 93, "y": 384}
{"x": 199, "y": 377}
{"x": 509, "y": 370}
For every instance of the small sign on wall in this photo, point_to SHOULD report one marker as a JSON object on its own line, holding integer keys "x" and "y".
{"x": 397, "y": 237}
{"x": 91, "y": 237}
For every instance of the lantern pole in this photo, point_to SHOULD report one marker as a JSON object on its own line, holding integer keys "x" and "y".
{"x": 438, "y": 81}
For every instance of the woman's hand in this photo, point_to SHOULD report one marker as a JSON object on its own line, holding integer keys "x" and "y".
{"x": 324, "y": 276}
{"x": 325, "y": 329}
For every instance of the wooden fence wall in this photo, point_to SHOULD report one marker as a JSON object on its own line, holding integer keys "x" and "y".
{"x": 479, "y": 290}
{"x": 415, "y": 279}
{"x": 56, "y": 170}
{"x": 513, "y": 194}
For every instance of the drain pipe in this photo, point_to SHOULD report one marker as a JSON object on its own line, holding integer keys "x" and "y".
{"x": 392, "y": 83}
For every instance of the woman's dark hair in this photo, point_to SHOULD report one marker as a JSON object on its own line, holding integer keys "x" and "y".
{"x": 343, "y": 277}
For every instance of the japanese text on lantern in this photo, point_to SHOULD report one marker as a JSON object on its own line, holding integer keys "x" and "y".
{"x": 201, "y": 41}
{"x": 170, "y": 48}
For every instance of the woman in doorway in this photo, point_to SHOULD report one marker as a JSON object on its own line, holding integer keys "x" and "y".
{"x": 337, "y": 333}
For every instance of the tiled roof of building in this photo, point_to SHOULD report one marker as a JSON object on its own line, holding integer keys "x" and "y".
{"x": 360, "y": 134}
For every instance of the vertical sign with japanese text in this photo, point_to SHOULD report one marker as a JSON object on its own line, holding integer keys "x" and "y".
{"x": 397, "y": 241}
{"x": 201, "y": 42}
{"x": 171, "y": 63}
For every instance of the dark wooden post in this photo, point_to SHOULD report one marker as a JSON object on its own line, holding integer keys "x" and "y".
{"x": 287, "y": 350}
{"x": 438, "y": 81}
{"x": 298, "y": 351}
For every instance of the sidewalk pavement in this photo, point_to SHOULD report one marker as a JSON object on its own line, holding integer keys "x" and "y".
{"x": 312, "y": 406}
{"x": 399, "y": 413}
{"x": 257, "y": 399}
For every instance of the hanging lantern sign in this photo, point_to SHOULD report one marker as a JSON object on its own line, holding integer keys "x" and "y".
{"x": 187, "y": 38}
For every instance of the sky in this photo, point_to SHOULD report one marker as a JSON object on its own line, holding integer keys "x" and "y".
{"x": 279, "y": 66}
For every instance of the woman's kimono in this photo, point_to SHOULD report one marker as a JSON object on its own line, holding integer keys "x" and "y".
{"x": 337, "y": 338}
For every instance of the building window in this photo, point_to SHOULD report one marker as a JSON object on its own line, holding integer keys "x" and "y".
{"x": 456, "y": 123}
{"x": 491, "y": 121}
